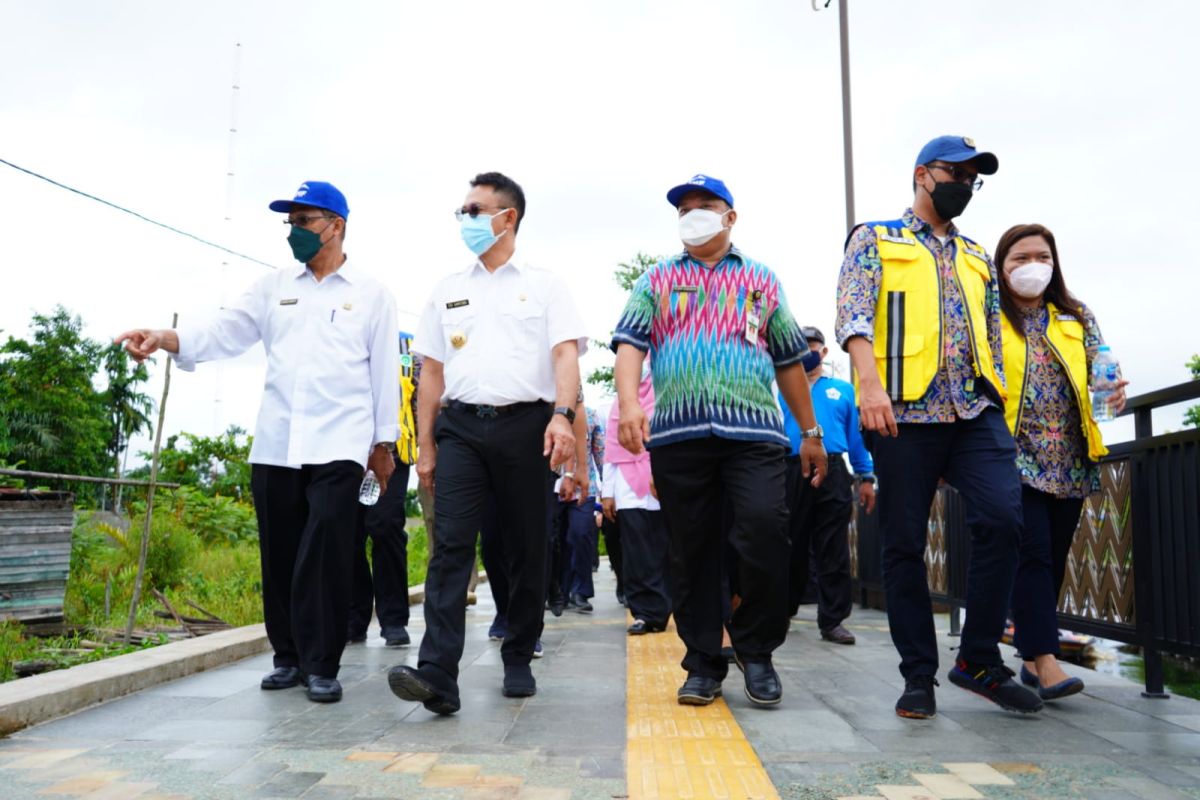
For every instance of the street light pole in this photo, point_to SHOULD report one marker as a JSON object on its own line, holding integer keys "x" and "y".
{"x": 847, "y": 136}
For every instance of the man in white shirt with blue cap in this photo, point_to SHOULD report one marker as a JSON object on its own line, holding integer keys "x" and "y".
{"x": 328, "y": 413}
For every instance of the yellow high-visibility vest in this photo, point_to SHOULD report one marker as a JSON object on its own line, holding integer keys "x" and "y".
{"x": 1064, "y": 335}
{"x": 406, "y": 445}
{"x": 908, "y": 315}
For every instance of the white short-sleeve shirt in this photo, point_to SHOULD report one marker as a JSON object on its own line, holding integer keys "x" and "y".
{"x": 494, "y": 332}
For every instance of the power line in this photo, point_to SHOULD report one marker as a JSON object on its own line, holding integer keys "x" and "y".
{"x": 142, "y": 217}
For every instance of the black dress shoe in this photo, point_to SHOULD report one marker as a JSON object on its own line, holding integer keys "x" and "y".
{"x": 324, "y": 690}
{"x": 356, "y": 638}
{"x": 838, "y": 635}
{"x": 640, "y": 626}
{"x": 762, "y": 682}
{"x": 518, "y": 681}
{"x": 281, "y": 678}
{"x": 556, "y": 606}
{"x": 409, "y": 684}
{"x": 581, "y": 604}
{"x": 698, "y": 690}
{"x": 399, "y": 638}
{"x": 621, "y": 598}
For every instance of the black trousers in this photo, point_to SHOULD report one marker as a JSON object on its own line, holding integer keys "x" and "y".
{"x": 1050, "y": 524}
{"x": 612, "y": 544}
{"x": 978, "y": 458}
{"x": 306, "y": 535}
{"x": 491, "y": 551}
{"x": 693, "y": 479}
{"x": 382, "y": 582}
{"x": 646, "y": 548}
{"x": 818, "y": 525}
{"x": 501, "y": 455}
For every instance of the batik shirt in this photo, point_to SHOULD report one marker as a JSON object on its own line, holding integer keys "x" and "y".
{"x": 956, "y": 391}
{"x": 1052, "y": 451}
{"x": 713, "y": 367}
{"x": 595, "y": 450}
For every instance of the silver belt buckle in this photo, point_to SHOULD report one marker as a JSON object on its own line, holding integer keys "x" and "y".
{"x": 486, "y": 412}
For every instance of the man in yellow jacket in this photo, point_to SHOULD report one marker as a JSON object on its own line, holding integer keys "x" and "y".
{"x": 919, "y": 313}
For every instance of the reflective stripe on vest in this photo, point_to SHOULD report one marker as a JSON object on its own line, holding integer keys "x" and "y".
{"x": 1065, "y": 336}
{"x": 908, "y": 314}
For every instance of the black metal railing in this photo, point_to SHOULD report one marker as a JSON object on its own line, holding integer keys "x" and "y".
{"x": 1132, "y": 573}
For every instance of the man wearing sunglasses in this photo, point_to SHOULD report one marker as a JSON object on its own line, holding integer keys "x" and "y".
{"x": 919, "y": 313}
{"x": 329, "y": 412}
{"x": 501, "y": 342}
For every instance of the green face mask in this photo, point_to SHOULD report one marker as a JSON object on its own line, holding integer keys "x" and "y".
{"x": 305, "y": 244}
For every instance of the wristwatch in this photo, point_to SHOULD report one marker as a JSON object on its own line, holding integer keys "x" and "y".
{"x": 815, "y": 433}
{"x": 866, "y": 477}
{"x": 567, "y": 412}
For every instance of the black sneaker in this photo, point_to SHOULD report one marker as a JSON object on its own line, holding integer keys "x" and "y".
{"x": 699, "y": 690}
{"x": 918, "y": 701}
{"x": 995, "y": 682}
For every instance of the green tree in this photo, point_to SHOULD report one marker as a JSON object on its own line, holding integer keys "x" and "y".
{"x": 54, "y": 419}
{"x": 626, "y": 275}
{"x": 128, "y": 409}
{"x": 216, "y": 465}
{"x": 1192, "y": 415}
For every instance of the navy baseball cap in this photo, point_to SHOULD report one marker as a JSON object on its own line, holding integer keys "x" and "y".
{"x": 703, "y": 183}
{"x": 957, "y": 150}
{"x": 813, "y": 334}
{"x": 317, "y": 194}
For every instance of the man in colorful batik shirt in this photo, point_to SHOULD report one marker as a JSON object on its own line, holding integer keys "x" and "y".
{"x": 719, "y": 332}
{"x": 918, "y": 310}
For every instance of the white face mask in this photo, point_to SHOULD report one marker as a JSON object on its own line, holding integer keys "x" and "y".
{"x": 1030, "y": 280}
{"x": 700, "y": 225}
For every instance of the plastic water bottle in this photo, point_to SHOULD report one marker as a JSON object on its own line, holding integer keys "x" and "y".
{"x": 368, "y": 492}
{"x": 1104, "y": 383}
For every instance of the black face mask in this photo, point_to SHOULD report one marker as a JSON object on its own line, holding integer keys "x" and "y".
{"x": 950, "y": 199}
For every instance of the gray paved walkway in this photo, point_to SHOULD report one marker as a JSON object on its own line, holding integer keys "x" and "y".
{"x": 216, "y": 735}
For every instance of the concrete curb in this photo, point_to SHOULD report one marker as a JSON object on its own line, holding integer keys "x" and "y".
{"x": 38, "y": 698}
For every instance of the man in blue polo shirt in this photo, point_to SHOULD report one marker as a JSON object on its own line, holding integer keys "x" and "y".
{"x": 819, "y": 516}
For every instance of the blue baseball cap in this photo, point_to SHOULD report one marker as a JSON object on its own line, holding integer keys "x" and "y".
{"x": 703, "y": 183}
{"x": 317, "y": 194}
{"x": 957, "y": 150}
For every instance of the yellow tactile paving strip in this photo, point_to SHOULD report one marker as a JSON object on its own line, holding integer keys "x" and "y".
{"x": 676, "y": 752}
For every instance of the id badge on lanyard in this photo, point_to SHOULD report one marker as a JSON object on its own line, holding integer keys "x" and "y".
{"x": 754, "y": 304}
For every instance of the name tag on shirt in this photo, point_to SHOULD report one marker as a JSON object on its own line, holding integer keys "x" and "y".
{"x": 291, "y": 301}
{"x": 752, "y": 323}
{"x": 457, "y": 303}
{"x": 1067, "y": 318}
{"x": 691, "y": 289}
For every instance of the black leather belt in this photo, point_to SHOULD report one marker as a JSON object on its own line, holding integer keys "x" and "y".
{"x": 491, "y": 412}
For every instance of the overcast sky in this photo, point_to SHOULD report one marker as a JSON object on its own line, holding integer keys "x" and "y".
{"x": 596, "y": 109}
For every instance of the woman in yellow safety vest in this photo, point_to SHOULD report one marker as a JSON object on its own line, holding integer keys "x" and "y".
{"x": 1049, "y": 339}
